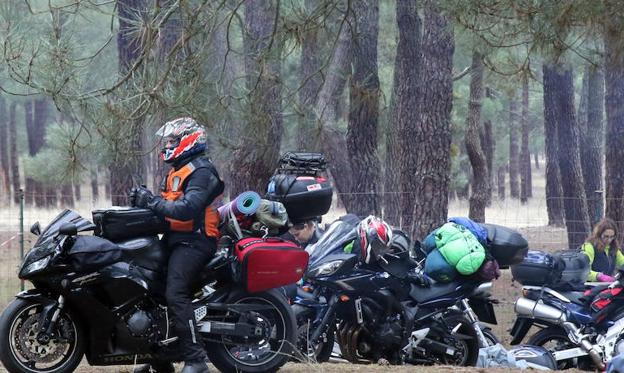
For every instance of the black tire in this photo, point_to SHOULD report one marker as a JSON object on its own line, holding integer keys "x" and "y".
{"x": 319, "y": 353}
{"x": 280, "y": 346}
{"x": 553, "y": 339}
{"x": 470, "y": 345}
{"x": 19, "y": 319}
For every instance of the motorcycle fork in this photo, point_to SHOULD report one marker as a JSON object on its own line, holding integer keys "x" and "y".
{"x": 328, "y": 318}
{"x": 48, "y": 323}
{"x": 474, "y": 320}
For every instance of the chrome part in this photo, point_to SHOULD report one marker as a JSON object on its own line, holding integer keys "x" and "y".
{"x": 569, "y": 353}
{"x": 549, "y": 291}
{"x": 539, "y": 310}
{"x": 358, "y": 311}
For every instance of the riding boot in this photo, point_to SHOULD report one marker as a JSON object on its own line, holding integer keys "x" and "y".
{"x": 155, "y": 368}
{"x": 195, "y": 366}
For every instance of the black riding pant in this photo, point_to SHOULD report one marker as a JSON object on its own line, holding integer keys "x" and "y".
{"x": 186, "y": 262}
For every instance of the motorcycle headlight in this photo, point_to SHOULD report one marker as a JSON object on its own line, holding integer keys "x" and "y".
{"x": 36, "y": 266}
{"x": 326, "y": 269}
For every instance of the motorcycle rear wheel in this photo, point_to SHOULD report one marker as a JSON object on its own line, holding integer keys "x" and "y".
{"x": 24, "y": 352}
{"x": 233, "y": 355}
{"x": 467, "y": 344}
{"x": 555, "y": 339}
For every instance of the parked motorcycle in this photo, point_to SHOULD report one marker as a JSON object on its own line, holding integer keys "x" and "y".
{"x": 385, "y": 312}
{"x": 115, "y": 313}
{"x": 581, "y": 330}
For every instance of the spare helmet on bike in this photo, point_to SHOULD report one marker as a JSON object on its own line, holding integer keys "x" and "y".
{"x": 183, "y": 138}
{"x": 374, "y": 237}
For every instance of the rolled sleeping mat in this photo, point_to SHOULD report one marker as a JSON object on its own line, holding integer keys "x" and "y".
{"x": 245, "y": 204}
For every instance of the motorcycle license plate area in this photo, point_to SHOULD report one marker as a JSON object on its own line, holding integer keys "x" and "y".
{"x": 268, "y": 263}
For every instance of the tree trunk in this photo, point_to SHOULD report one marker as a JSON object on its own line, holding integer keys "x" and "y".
{"x": 333, "y": 142}
{"x": 536, "y": 157}
{"x": 47, "y": 193}
{"x": 5, "y": 179}
{"x": 488, "y": 144}
{"x": 13, "y": 159}
{"x": 35, "y": 112}
{"x": 558, "y": 80}
{"x": 95, "y": 193}
{"x": 502, "y": 171}
{"x": 554, "y": 193}
{"x": 614, "y": 102}
{"x": 364, "y": 111}
{"x": 400, "y": 157}
{"x": 257, "y": 155}
{"x": 128, "y": 165}
{"x": 433, "y": 130}
{"x": 77, "y": 190}
{"x": 525, "y": 155}
{"x": 514, "y": 157}
{"x": 67, "y": 196}
{"x": 480, "y": 179}
{"x": 311, "y": 82}
{"x": 592, "y": 143}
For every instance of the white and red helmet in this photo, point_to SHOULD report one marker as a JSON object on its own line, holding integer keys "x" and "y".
{"x": 187, "y": 136}
{"x": 374, "y": 237}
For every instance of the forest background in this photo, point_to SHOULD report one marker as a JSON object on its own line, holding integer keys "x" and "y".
{"x": 414, "y": 103}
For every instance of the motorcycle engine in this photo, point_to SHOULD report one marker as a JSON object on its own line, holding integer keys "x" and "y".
{"x": 139, "y": 323}
{"x": 389, "y": 332}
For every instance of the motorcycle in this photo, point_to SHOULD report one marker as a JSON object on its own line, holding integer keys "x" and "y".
{"x": 384, "y": 312}
{"x": 577, "y": 336}
{"x": 115, "y": 314}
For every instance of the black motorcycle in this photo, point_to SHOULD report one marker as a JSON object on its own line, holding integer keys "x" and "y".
{"x": 115, "y": 313}
{"x": 383, "y": 312}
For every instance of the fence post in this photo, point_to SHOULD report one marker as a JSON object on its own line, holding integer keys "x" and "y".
{"x": 21, "y": 232}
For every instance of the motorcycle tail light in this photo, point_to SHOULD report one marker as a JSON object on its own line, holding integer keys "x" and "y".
{"x": 344, "y": 298}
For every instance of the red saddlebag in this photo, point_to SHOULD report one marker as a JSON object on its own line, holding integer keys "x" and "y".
{"x": 268, "y": 263}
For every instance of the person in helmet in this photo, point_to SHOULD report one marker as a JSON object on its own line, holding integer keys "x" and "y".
{"x": 185, "y": 201}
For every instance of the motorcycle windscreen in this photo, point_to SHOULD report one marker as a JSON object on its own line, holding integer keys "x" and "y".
{"x": 67, "y": 216}
{"x": 333, "y": 241}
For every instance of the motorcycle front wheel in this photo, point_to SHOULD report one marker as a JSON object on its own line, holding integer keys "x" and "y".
{"x": 25, "y": 349}
{"x": 266, "y": 354}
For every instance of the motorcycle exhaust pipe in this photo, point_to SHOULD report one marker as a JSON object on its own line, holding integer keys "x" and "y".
{"x": 538, "y": 310}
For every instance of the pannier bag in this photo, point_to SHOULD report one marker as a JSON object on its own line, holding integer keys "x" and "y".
{"x": 537, "y": 269}
{"x": 120, "y": 223}
{"x": 89, "y": 253}
{"x": 267, "y": 263}
{"x": 506, "y": 245}
{"x": 299, "y": 185}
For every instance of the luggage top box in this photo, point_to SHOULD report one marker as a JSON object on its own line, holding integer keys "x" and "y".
{"x": 564, "y": 270}
{"x": 506, "y": 245}
{"x": 305, "y": 197}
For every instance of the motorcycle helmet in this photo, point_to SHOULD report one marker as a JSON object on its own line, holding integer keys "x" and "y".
{"x": 183, "y": 137}
{"x": 374, "y": 237}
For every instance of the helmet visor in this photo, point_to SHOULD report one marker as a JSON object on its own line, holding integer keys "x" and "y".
{"x": 167, "y": 130}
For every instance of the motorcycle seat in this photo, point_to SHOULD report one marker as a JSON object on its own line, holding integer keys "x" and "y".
{"x": 146, "y": 252}
{"x": 574, "y": 296}
{"x": 436, "y": 290}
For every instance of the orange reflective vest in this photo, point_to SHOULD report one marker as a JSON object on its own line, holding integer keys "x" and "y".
{"x": 174, "y": 190}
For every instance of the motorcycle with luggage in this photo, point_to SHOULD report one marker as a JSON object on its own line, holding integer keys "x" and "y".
{"x": 385, "y": 311}
{"x": 582, "y": 326}
{"x": 102, "y": 296}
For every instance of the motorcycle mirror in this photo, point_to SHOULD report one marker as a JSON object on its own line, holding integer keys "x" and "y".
{"x": 68, "y": 229}
{"x": 35, "y": 229}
